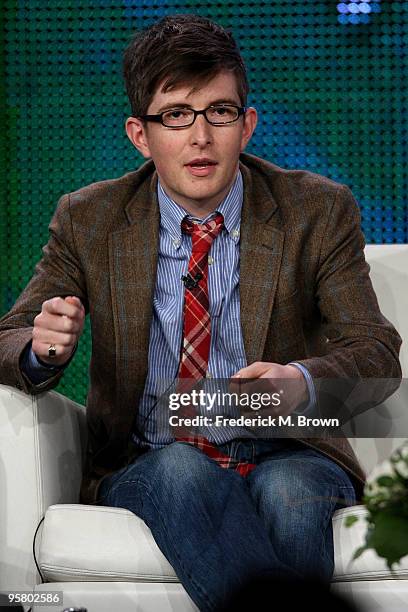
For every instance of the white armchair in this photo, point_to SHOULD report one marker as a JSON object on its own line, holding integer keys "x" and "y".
{"x": 106, "y": 557}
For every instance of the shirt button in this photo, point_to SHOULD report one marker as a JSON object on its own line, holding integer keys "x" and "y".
{"x": 235, "y": 233}
{"x": 208, "y": 375}
{"x": 210, "y": 260}
{"x": 176, "y": 243}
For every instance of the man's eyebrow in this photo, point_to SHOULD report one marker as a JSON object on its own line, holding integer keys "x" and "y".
{"x": 184, "y": 105}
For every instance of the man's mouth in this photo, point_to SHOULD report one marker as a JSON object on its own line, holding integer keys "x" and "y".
{"x": 201, "y": 163}
{"x": 201, "y": 167}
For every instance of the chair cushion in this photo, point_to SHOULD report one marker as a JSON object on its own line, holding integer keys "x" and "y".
{"x": 369, "y": 566}
{"x": 98, "y": 543}
{"x": 92, "y": 543}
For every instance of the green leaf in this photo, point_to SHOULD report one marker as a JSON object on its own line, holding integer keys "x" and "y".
{"x": 401, "y": 478}
{"x": 350, "y": 520}
{"x": 385, "y": 481}
{"x": 389, "y": 537}
{"x": 359, "y": 551}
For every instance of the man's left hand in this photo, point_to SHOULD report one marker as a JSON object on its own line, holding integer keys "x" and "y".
{"x": 266, "y": 377}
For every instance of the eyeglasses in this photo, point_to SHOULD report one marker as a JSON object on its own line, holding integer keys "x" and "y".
{"x": 218, "y": 114}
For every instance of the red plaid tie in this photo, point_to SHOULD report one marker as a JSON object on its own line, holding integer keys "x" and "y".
{"x": 197, "y": 330}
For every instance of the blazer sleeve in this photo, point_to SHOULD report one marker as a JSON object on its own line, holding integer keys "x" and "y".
{"x": 360, "y": 342}
{"x": 58, "y": 273}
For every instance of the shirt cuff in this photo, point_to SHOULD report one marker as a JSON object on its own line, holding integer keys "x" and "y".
{"x": 36, "y": 363}
{"x": 36, "y": 370}
{"x": 304, "y": 408}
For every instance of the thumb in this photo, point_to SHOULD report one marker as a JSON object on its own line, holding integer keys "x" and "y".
{"x": 244, "y": 376}
{"x": 74, "y": 300}
{"x": 255, "y": 370}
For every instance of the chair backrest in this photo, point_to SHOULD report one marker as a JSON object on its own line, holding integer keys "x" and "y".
{"x": 389, "y": 275}
{"x": 40, "y": 465}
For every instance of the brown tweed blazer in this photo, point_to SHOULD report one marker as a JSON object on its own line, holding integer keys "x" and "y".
{"x": 304, "y": 289}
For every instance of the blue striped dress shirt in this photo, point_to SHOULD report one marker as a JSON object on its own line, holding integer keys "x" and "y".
{"x": 227, "y": 354}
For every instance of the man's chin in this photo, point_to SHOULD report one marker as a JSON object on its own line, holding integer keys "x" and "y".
{"x": 205, "y": 198}
{"x": 204, "y": 193}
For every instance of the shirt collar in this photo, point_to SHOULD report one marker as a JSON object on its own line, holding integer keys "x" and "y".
{"x": 172, "y": 214}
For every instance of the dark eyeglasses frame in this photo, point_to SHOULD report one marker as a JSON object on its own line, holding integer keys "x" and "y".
{"x": 159, "y": 118}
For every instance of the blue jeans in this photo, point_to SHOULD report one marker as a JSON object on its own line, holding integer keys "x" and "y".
{"x": 218, "y": 529}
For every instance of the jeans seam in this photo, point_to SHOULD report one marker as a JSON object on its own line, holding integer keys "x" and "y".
{"x": 328, "y": 522}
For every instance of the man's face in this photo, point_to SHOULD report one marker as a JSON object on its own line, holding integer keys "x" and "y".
{"x": 172, "y": 150}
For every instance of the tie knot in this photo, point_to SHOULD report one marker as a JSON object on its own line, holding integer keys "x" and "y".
{"x": 203, "y": 234}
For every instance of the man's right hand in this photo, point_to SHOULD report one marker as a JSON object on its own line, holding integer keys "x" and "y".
{"x": 59, "y": 324}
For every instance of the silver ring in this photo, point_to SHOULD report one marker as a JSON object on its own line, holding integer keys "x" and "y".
{"x": 52, "y": 351}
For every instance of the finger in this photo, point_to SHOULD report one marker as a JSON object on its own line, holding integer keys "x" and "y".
{"x": 257, "y": 386}
{"x": 75, "y": 301}
{"x": 62, "y": 353}
{"x": 80, "y": 317}
{"x": 42, "y": 348}
{"x": 254, "y": 370}
{"x": 59, "y": 306}
{"x": 243, "y": 385}
{"x": 235, "y": 384}
{"x": 244, "y": 377}
{"x": 47, "y": 336}
{"x": 59, "y": 323}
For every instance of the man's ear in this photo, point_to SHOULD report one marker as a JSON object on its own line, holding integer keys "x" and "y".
{"x": 250, "y": 121}
{"x": 136, "y": 132}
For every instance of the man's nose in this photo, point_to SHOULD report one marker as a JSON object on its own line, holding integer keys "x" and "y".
{"x": 201, "y": 131}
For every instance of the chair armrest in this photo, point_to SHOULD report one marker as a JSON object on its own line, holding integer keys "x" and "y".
{"x": 41, "y": 448}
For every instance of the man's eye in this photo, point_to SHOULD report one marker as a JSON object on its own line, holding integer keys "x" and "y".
{"x": 220, "y": 110}
{"x": 175, "y": 114}
{"x": 225, "y": 112}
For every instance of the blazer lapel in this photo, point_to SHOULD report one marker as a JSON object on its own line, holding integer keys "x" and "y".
{"x": 133, "y": 254}
{"x": 261, "y": 248}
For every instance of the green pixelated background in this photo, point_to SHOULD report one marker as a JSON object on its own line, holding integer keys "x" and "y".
{"x": 329, "y": 81}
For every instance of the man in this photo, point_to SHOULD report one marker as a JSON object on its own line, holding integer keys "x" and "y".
{"x": 206, "y": 262}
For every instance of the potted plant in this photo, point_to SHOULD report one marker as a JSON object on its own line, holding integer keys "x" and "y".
{"x": 386, "y": 502}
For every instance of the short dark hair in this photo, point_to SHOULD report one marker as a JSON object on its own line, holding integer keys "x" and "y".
{"x": 179, "y": 50}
